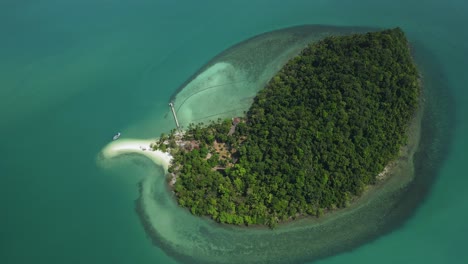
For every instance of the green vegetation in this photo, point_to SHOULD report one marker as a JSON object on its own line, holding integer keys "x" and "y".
{"x": 315, "y": 136}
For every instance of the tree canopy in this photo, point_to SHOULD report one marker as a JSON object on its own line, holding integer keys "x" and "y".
{"x": 321, "y": 130}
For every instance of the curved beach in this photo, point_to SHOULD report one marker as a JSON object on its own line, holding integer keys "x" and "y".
{"x": 137, "y": 146}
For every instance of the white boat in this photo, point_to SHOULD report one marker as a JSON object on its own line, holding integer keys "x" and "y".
{"x": 116, "y": 136}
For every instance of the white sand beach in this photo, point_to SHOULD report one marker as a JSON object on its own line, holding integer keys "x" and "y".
{"x": 122, "y": 146}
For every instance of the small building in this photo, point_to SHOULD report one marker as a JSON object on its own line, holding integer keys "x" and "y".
{"x": 235, "y": 122}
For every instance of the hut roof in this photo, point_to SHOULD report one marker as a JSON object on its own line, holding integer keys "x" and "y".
{"x": 236, "y": 120}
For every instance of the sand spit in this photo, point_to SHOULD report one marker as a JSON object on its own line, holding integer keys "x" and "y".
{"x": 138, "y": 146}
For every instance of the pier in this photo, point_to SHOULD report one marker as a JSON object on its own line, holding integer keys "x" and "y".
{"x": 174, "y": 114}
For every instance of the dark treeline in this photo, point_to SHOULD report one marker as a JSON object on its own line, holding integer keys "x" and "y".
{"x": 322, "y": 129}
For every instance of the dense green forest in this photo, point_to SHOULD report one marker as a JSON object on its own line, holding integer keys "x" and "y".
{"x": 317, "y": 134}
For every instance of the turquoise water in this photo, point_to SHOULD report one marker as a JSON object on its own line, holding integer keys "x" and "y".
{"x": 72, "y": 73}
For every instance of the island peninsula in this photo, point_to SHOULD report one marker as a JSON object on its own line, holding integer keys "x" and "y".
{"x": 322, "y": 130}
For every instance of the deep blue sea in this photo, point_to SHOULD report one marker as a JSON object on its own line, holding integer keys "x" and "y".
{"x": 73, "y": 73}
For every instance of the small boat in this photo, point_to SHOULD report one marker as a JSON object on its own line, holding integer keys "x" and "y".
{"x": 116, "y": 136}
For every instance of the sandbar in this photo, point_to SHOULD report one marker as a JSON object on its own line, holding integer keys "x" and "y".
{"x": 138, "y": 146}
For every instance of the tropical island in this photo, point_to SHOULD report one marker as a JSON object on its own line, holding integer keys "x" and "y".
{"x": 322, "y": 130}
